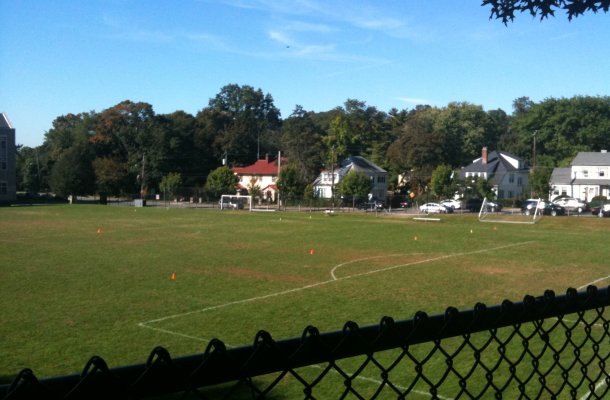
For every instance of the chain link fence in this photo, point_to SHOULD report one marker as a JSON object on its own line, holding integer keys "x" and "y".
{"x": 547, "y": 347}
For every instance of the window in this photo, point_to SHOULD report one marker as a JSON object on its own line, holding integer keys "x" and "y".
{"x": 3, "y": 157}
{"x": 500, "y": 194}
{"x": 511, "y": 178}
{"x": 602, "y": 173}
{"x": 3, "y": 188}
{"x": 381, "y": 179}
{"x": 510, "y": 194}
{"x": 519, "y": 181}
{"x": 585, "y": 173}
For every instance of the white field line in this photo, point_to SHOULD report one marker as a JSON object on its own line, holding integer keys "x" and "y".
{"x": 593, "y": 282}
{"x": 332, "y": 271}
{"x": 313, "y": 285}
{"x": 377, "y": 381}
{"x": 334, "y": 279}
{"x": 587, "y": 395}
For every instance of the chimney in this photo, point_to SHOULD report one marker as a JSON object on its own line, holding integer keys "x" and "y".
{"x": 267, "y": 157}
{"x": 484, "y": 155}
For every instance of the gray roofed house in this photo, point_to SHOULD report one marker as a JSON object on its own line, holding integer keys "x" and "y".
{"x": 8, "y": 154}
{"x": 507, "y": 174}
{"x": 588, "y": 176}
{"x": 379, "y": 177}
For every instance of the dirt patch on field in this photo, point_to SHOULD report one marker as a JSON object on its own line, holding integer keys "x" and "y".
{"x": 266, "y": 276}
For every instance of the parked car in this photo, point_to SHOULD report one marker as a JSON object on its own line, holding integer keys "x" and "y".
{"x": 553, "y": 209}
{"x": 528, "y": 206}
{"x": 603, "y": 210}
{"x": 571, "y": 204}
{"x": 494, "y": 207}
{"x": 474, "y": 205}
{"x": 454, "y": 204}
{"x": 435, "y": 208}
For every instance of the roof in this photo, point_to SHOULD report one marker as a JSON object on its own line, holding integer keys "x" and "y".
{"x": 585, "y": 158}
{"x": 561, "y": 176}
{"x": 5, "y": 123}
{"x": 261, "y": 167}
{"x": 498, "y": 162}
{"x": 359, "y": 164}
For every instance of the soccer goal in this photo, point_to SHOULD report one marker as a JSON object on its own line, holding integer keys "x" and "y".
{"x": 235, "y": 202}
{"x": 492, "y": 212}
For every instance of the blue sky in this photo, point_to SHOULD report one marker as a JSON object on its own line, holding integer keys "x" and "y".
{"x": 59, "y": 57}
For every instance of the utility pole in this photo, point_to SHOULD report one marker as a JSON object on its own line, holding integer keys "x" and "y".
{"x": 534, "y": 151}
{"x": 332, "y": 176}
{"x": 279, "y": 165}
{"x": 142, "y": 177}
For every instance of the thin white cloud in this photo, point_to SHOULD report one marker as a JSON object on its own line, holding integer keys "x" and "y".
{"x": 124, "y": 30}
{"x": 281, "y": 38}
{"x": 300, "y": 26}
{"x": 413, "y": 100}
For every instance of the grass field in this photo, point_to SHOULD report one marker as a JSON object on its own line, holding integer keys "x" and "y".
{"x": 81, "y": 280}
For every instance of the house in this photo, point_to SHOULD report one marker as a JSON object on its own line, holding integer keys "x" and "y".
{"x": 260, "y": 178}
{"x": 507, "y": 174}
{"x": 8, "y": 154}
{"x": 324, "y": 183}
{"x": 588, "y": 176}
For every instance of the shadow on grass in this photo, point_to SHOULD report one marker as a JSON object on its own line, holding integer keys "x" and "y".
{"x": 7, "y": 379}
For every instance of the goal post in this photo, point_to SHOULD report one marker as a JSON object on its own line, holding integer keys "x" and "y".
{"x": 235, "y": 202}
{"x": 490, "y": 212}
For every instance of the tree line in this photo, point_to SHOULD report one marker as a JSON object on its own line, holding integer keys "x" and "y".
{"x": 128, "y": 149}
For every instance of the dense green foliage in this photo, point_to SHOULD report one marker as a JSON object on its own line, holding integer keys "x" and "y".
{"x": 355, "y": 186}
{"x": 129, "y": 147}
{"x": 170, "y": 183}
{"x": 221, "y": 181}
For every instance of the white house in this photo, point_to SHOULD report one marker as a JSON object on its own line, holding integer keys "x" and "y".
{"x": 588, "y": 176}
{"x": 263, "y": 175}
{"x": 8, "y": 179}
{"x": 323, "y": 184}
{"x": 507, "y": 174}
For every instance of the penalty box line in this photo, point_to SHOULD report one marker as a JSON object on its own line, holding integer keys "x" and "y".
{"x": 334, "y": 279}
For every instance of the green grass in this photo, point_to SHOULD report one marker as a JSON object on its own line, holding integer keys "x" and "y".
{"x": 78, "y": 281}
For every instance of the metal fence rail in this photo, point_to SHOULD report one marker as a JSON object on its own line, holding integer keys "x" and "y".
{"x": 543, "y": 347}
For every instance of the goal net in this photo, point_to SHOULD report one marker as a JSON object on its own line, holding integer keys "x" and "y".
{"x": 235, "y": 202}
{"x": 493, "y": 212}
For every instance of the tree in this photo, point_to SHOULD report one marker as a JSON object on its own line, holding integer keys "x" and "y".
{"x": 111, "y": 175}
{"x": 302, "y": 142}
{"x": 245, "y": 117}
{"x": 289, "y": 183}
{"x": 539, "y": 182}
{"x": 419, "y": 148}
{"x": 355, "y": 185}
{"x": 479, "y": 187}
{"x": 170, "y": 183}
{"x": 221, "y": 181}
{"x": 442, "y": 183}
{"x": 130, "y": 134}
{"x": 72, "y": 173}
{"x": 29, "y": 174}
{"x": 561, "y": 128}
{"x": 506, "y": 9}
